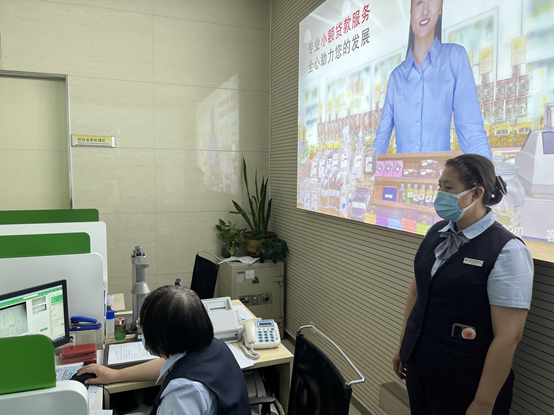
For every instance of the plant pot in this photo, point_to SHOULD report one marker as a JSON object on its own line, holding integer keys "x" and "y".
{"x": 225, "y": 249}
{"x": 252, "y": 244}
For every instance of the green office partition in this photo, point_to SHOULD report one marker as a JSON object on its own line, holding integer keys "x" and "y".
{"x": 27, "y": 363}
{"x": 16, "y": 246}
{"x": 19, "y": 217}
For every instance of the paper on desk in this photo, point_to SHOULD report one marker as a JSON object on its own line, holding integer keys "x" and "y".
{"x": 248, "y": 260}
{"x": 128, "y": 353}
{"x": 241, "y": 359}
{"x": 92, "y": 389}
{"x": 102, "y": 412}
{"x": 244, "y": 314}
{"x": 65, "y": 372}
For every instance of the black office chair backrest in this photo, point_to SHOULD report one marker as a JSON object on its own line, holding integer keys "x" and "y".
{"x": 204, "y": 277}
{"x": 317, "y": 387}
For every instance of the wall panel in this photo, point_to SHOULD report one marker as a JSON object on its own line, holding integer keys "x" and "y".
{"x": 351, "y": 279}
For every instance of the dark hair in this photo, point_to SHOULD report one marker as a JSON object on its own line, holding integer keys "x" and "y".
{"x": 478, "y": 171}
{"x": 411, "y": 40}
{"x": 174, "y": 320}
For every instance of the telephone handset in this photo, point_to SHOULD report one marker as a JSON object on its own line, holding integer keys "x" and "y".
{"x": 259, "y": 334}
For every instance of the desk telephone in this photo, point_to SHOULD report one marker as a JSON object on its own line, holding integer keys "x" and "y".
{"x": 259, "y": 334}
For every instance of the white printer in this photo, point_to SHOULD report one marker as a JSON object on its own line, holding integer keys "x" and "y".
{"x": 226, "y": 321}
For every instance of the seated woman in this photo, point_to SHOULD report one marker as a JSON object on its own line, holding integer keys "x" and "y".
{"x": 202, "y": 376}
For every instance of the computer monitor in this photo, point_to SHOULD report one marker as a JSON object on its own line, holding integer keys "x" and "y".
{"x": 36, "y": 310}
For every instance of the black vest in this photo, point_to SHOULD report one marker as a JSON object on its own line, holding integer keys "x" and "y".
{"x": 216, "y": 368}
{"x": 457, "y": 293}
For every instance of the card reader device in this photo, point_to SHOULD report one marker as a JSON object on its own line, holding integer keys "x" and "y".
{"x": 226, "y": 321}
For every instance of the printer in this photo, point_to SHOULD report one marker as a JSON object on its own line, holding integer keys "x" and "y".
{"x": 226, "y": 321}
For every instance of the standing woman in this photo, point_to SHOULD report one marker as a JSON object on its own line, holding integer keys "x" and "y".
{"x": 467, "y": 305}
{"x": 434, "y": 81}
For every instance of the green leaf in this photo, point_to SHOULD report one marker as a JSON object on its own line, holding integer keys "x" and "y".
{"x": 254, "y": 214}
{"x": 245, "y": 175}
{"x": 256, "y": 235}
{"x": 240, "y": 211}
{"x": 256, "y": 184}
{"x": 261, "y": 212}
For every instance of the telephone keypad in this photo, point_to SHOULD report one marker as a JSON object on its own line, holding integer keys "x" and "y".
{"x": 267, "y": 335}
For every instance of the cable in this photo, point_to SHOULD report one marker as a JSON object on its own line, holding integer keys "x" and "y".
{"x": 105, "y": 390}
{"x": 254, "y": 355}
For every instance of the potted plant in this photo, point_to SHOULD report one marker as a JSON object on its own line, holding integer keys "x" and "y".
{"x": 260, "y": 213}
{"x": 272, "y": 248}
{"x": 232, "y": 238}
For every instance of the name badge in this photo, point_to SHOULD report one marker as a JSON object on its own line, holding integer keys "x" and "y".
{"x": 474, "y": 262}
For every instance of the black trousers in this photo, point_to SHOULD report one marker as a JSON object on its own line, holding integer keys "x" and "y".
{"x": 448, "y": 393}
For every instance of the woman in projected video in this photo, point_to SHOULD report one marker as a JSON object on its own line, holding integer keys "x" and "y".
{"x": 434, "y": 81}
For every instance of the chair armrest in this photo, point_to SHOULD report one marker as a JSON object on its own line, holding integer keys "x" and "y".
{"x": 260, "y": 401}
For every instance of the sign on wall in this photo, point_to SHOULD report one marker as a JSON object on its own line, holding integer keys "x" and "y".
{"x": 92, "y": 141}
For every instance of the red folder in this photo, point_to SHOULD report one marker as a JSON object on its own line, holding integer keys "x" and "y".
{"x": 70, "y": 352}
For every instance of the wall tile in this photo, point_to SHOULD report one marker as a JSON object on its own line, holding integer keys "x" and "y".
{"x": 169, "y": 279}
{"x": 114, "y": 180}
{"x": 205, "y": 54}
{"x": 254, "y": 121}
{"x": 243, "y": 13}
{"x": 39, "y": 36}
{"x": 123, "y": 286}
{"x": 124, "y": 232}
{"x": 188, "y": 181}
{"x": 176, "y": 114}
{"x": 182, "y": 235}
{"x": 183, "y": 117}
{"x": 108, "y": 107}
{"x": 139, "y": 6}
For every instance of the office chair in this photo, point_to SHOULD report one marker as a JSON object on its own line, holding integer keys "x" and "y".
{"x": 317, "y": 386}
{"x": 204, "y": 276}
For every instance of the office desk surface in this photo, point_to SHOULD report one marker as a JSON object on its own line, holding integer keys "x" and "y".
{"x": 279, "y": 356}
{"x": 268, "y": 357}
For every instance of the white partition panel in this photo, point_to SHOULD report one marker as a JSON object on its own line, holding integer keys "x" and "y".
{"x": 96, "y": 231}
{"x": 83, "y": 273}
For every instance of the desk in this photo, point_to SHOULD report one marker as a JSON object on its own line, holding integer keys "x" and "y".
{"x": 95, "y": 399}
{"x": 279, "y": 357}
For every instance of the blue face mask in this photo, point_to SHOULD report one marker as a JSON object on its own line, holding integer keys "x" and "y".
{"x": 446, "y": 205}
{"x": 148, "y": 350}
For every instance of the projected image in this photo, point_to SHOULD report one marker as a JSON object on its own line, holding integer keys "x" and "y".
{"x": 389, "y": 91}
